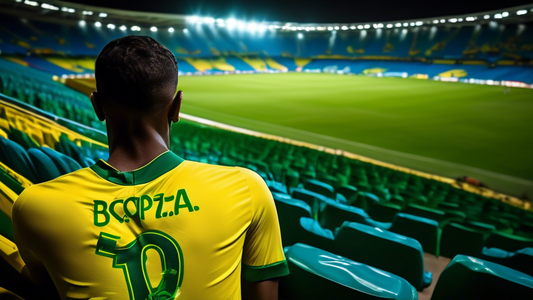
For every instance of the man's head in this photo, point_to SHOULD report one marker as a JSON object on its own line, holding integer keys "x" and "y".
{"x": 135, "y": 75}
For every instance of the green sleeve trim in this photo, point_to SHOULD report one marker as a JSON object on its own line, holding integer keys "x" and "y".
{"x": 260, "y": 273}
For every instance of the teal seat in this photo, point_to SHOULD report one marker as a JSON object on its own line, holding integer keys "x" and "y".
{"x": 22, "y": 139}
{"x": 384, "y": 212}
{"x": 317, "y": 274}
{"x": 349, "y": 192}
{"x": 316, "y": 201}
{"x": 311, "y": 233}
{"x": 468, "y": 278}
{"x": 424, "y": 230}
{"x": 365, "y": 200}
{"x": 15, "y": 157}
{"x": 335, "y": 214}
{"x": 289, "y": 213}
{"x": 521, "y": 260}
{"x": 385, "y": 250}
{"x": 508, "y": 242}
{"x": 63, "y": 163}
{"x": 321, "y": 188}
{"x": 45, "y": 167}
{"x": 425, "y": 212}
{"x": 459, "y": 239}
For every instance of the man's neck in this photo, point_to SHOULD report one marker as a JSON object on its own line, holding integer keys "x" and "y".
{"x": 133, "y": 148}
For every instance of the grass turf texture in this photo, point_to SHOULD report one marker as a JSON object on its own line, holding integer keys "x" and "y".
{"x": 486, "y": 127}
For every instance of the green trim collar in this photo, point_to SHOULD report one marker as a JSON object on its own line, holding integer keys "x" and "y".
{"x": 260, "y": 273}
{"x": 157, "y": 167}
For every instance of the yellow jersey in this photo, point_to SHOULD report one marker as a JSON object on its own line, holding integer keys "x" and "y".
{"x": 173, "y": 229}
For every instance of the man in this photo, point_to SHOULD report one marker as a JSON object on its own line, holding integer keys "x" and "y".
{"x": 146, "y": 224}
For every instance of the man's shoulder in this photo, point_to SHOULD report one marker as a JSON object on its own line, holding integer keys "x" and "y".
{"x": 200, "y": 167}
{"x": 67, "y": 183}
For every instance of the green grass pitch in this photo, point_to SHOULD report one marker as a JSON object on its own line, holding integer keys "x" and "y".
{"x": 480, "y": 127}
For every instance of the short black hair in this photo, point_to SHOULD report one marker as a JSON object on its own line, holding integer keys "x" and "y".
{"x": 135, "y": 72}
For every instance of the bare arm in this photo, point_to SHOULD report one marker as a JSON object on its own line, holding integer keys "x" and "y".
{"x": 261, "y": 290}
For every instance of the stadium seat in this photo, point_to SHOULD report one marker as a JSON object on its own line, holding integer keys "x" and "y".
{"x": 15, "y": 157}
{"x": 349, "y": 192}
{"x": 385, "y": 250}
{"x": 365, "y": 200}
{"x": 316, "y": 201}
{"x": 459, "y": 239}
{"x": 335, "y": 214}
{"x": 384, "y": 212}
{"x": 424, "y": 230}
{"x": 318, "y": 274}
{"x": 467, "y": 277}
{"x": 289, "y": 213}
{"x": 508, "y": 242}
{"x": 313, "y": 234}
{"x": 521, "y": 260}
{"x": 63, "y": 163}
{"x": 321, "y": 188}
{"x": 45, "y": 167}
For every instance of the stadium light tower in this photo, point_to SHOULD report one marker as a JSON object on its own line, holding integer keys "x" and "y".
{"x": 170, "y": 29}
{"x": 98, "y": 24}
{"x": 153, "y": 29}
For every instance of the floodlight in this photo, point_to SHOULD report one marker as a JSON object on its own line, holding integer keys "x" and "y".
{"x": 352, "y": 27}
{"x": 398, "y": 25}
{"x": 470, "y": 19}
{"x": 330, "y": 28}
{"x": 102, "y": 15}
{"x": 300, "y": 36}
{"x": 360, "y": 27}
{"x": 442, "y": 21}
{"x": 453, "y": 20}
{"x": 344, "y": 27}
{"x": 123, "y": 28}
{"x": 111, "y": 26}
{"x": 31, "y": 3}
{"x": 505, "y": 14}
{"x": 185, "y": 30}
{"x": 135, "y": 28}
{"x": 171, "y": 29}
{"x": 219, "y": 21}
{"x": 435, "y": 21}
{"x": 62, "y": 8}
{"x": 367, "y": 26}
{"x": 389, "y": 25}
{"x": 412, "y": 24}
{"x": 419, "y": 23}
{"x": 98, "y": 24}
{"x": 71, "y": 10}
{"x": 87, "y": 12}
{"x": 336, "y": 27}
{"x": 521, "y": 12}
{"x": 193, "y": 19}
{"x": 486, "y": 17}
{"x": 497, "y": 16}
{"x": 241, "y": 25}
{"x": 82, "y": 23}
{"x": 208, "y": 20}
{"x": 271, "y": 27}
{"x": 49, "y": 6}
{"x": 153, "y": 29}
{"x": 312, "y": 28}
{"x": 405, "y": 24}
{"x": 261, "y": 27}
{"x": 460, "y": 20}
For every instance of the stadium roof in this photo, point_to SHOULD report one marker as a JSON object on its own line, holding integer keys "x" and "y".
{"x": 72, "y": 13}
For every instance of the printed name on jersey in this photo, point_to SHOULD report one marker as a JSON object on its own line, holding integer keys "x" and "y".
{"x": 140, "y": 206}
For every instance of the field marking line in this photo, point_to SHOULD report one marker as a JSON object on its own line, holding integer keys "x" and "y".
{"x": 366, "y": 146}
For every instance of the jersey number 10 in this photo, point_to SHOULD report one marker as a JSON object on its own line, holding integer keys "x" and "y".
{"x": 132, "y": 260}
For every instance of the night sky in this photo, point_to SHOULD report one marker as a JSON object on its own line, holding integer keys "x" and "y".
{"x": 332, "y": 11}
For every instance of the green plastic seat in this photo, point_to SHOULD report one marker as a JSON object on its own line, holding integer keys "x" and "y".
{"x": 424, "y": 230}
{"x": 316, "y": 201}
{"x": 15, "y": 157}
{"x": 335, "y": 214}
{"x": 22, "y": 139}
{"x": 365, "y": 200}
{"x": 311, "y": 233}
{"x": 385, "y": 250}
{"x": 45, "y": 167}
{"x": 521, "y": 260}
{"x": 10, "y": 182}
{"x": 425, "y": 212}
{"x": 63, "y": 163}
{"x": 508, "y": 242}
{"x": 317, "y": 274}
{"x": 459, "y": 239}
{"x": 349, "y": 192}
{"x": 289, "y": 213}
{"x": 321, "y": 188}
{"x": 384, "y": 212}
{"x": 468, "y": 278}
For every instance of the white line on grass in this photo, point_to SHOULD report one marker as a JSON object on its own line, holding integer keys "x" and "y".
{"x": 487, "y": 173}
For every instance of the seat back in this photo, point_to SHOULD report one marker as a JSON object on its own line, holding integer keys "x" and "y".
{"x": 318, "y": 274}
{"x": 321, "y": 188}
{"x": 15, "y": 157}
{"x": 382, "y": 249}
{"x": 424, "y": 230}
{"x": 45, "y": 167}
{"x": 289, "y": 213}
{"x": 459, "y": 239}
{"x": 508, "y": 242}
{"x": 335, "y": 214}
{"x": 467, "y": 277}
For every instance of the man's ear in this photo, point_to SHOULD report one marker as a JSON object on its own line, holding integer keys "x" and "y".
{"x": 95, "y": 100}
{"x": 175, "y": 106}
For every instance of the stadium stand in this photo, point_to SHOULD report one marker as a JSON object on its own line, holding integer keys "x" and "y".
{"x": 382, "y": 220}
